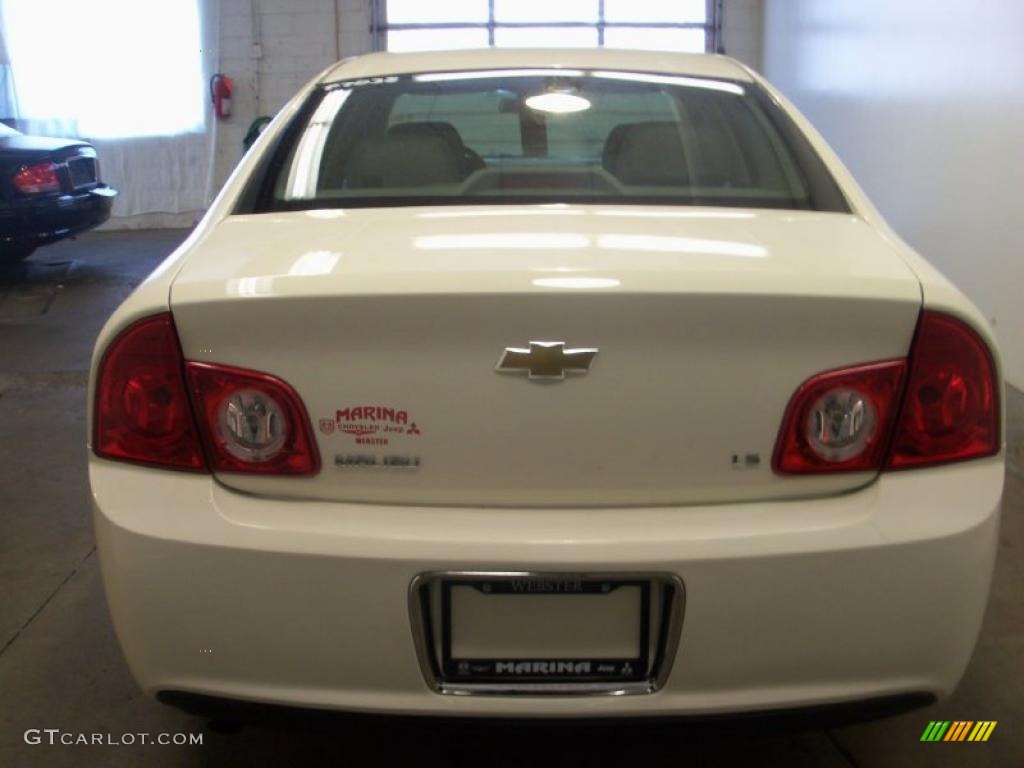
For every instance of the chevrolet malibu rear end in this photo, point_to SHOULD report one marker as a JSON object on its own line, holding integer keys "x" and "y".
{"x": 545, "y": 377}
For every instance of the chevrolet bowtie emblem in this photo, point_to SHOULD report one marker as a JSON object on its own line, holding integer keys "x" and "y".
{"x": 546, "y": 360}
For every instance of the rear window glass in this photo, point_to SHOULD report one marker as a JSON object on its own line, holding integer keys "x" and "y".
{"x": 542, "y": 136}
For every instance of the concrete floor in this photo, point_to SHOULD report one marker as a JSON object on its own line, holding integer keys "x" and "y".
{"x": 60, "y": 666}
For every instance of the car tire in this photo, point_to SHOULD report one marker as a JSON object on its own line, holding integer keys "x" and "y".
{"x": 18, "y": 252}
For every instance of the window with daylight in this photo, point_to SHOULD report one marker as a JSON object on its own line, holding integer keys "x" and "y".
{"x": 660, "y": 25}
{"x": 117, "y": 68}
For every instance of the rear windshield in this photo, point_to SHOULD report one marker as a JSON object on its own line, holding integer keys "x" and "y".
{"x": 541, "y": 136}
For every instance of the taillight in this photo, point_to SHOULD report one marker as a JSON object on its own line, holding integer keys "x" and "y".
{"x": 142, "y": 409}
{"x": 839, "y": 421}
{"x": 243, "y": 421}
{"x": 951, "y": 407}
{"x": 37, "y": 179}
{"x": 252, "y": 422}
{"x": 864, "y": 418}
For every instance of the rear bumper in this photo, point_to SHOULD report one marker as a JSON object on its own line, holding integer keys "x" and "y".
{"x": 38, "y": 222}
{"x": 234, "y": 711}
{"x": 872, "y": 594}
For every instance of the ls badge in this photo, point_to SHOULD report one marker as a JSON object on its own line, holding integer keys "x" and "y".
{"x": 546, "y": 360}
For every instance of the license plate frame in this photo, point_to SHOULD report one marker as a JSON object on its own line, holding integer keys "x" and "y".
{"x": 540, "y": 670}
{"x": 82, "y": 171}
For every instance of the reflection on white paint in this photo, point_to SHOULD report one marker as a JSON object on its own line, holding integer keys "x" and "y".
{"x": 565, "y": 209}
{"x": 576, "y": 282}
{"x": 704, "y": 214}
{"x": 556, "y": 209}
{"x": 247, "y": 287}
{"x": 680, "y": 245}
{"x": 315, "y": 263}
{"x": 556, "y": 240}
{"x": 503, "y": 240}
{"x": 326, "y": 213}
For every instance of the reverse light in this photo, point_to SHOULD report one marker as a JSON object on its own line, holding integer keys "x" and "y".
{"x": 37, "y": 179}
{"x": 252, "y": 425}
{"x": 839, "y": 421}
{"x": 951, "y": 407}
{"x": 142, "y": 410}
{"x": 251, "y": 422}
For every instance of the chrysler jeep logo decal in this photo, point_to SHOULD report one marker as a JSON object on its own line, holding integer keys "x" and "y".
{"x": 370, "y": 424}
{"x": 546, "y": 360}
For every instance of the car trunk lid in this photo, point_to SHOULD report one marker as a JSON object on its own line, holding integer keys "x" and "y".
{"x": 390, "y": 323}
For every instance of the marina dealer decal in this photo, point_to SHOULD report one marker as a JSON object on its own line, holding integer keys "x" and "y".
{"x": 370, "y": 424}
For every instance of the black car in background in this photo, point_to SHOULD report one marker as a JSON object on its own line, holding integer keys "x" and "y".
{"x": 49, "y": 189}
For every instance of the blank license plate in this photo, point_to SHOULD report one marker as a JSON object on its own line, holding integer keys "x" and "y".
{"x": 545, "y": 629}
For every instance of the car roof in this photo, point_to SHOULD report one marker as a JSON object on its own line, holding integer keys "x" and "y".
{"x": 687, "y": 64}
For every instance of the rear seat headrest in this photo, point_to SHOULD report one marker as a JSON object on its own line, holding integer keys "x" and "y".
{"x": 411, "y": 155}
{"x": 646, "y": 154}
{"x": 444, "y": 131}
{"x": 404, "y": 161}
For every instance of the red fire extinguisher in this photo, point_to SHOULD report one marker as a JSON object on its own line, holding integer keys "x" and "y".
{"x": 221, "y": 88}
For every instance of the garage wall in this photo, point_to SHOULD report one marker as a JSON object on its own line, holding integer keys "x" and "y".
{"x": 925, "y": 104}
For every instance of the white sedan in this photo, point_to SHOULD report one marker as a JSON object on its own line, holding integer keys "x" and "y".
{"x": 545, "y": 383}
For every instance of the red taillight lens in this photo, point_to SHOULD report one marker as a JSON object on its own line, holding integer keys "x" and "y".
{"x": 37, "y": 179}
{"x": 839, "y": 421}
{"x": 252, "y": 422}
{"x": 249, "y": 421}
{"x": 949, "y": 410}
{"x": 951, "y": 407}
{"x": 142, "y": 408}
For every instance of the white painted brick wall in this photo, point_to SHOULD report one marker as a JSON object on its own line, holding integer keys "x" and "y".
{"x": 298, "y": 39}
